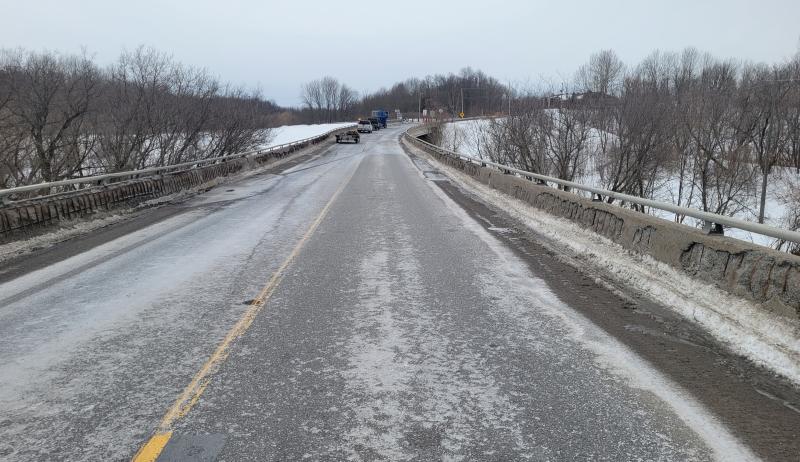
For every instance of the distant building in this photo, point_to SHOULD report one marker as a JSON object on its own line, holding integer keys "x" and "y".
{"x": 592, "y": 98}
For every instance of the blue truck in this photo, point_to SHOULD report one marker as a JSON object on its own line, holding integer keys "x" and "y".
{"x": 382, "y": 116}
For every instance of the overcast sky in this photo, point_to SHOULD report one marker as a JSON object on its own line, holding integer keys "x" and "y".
{"x": 277, "y": 45}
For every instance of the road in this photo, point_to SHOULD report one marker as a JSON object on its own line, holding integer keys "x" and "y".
{"x": 344, "y": 307}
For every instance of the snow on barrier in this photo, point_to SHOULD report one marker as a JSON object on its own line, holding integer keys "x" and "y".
{"x": 751, "y": 271}
{"x": 123, "y": 189}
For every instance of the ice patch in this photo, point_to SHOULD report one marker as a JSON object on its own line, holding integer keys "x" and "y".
{"x": 418, "y": 393}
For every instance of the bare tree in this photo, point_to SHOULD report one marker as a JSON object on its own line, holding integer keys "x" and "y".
{"x": 187, "y": 113}
{"x": 232, "y": 122}
{"x": 477, "y": 137}
{"x": 330, "y": 95}
{"x": 603, "y": 73}
{"x": 347, "y": 100}
{"x": 328, "y": 100}
{"x": 566, "y": 133}
{"x": 791, "y": 114}
{"x": 129, "y": 111}
{"x": 716, "y": 123}
{"x": 51, "y": 96}
{"x": 683, "y": 73}
{"x": 10, "y": 170}
{"x": 61, "y": 116}
{"x": 791, "y": 219}
{"x": 518, "y": 140}
{"x": 765, "y": 89}
{"x": 313, "y": 96}
{"x": 635, "y": 155}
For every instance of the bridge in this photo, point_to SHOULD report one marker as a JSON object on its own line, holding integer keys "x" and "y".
{"x": 385, "y": 300}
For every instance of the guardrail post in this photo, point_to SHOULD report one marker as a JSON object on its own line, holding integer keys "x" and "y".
{"x": 713, "y": 228}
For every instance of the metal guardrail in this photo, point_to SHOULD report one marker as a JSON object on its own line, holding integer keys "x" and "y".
{"x": 154, "y": 171}
{"x": 708, "y": 219}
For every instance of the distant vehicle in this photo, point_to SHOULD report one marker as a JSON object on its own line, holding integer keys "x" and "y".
{"x": 376, "y": 124}
{"x": 382, "y": 116}
{"x": 351, "y": 136}
{"x": 364, "y": 126}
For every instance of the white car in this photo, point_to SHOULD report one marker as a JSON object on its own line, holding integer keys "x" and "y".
{"x": 364, "y": 126}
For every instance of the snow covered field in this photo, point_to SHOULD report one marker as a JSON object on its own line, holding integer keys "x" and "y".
{"x": 467, "y": 138}
{"x": 289, "y": 133}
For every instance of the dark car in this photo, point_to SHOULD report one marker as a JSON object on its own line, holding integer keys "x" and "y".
{"x": 351, "y": 136}
{"x": 376, "y": 124}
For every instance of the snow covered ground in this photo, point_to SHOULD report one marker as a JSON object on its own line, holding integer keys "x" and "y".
{"x": 289, "y": 133}
{"x": 467, "y": 138}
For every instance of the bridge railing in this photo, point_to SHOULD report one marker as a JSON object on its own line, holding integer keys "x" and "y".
{"x": 97, "y": 180}
{"x": 712, "y": 222}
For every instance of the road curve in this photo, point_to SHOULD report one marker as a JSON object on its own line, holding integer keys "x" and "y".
{"x": 342, "y": 308}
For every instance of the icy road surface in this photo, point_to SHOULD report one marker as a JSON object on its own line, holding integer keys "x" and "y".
{"x": 400, "y": 330}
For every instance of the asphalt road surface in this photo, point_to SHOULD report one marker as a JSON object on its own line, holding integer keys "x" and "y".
{"x": 348, "y": 306}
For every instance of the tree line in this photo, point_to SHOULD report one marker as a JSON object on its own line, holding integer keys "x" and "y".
{"x": 327, "y": 99}
{"x": 62, "y": 116}
{"x": 709, "y": 133}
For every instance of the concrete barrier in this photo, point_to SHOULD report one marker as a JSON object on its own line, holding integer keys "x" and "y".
{"x": 21, "y": 218}
{"x": 754, "y": 272}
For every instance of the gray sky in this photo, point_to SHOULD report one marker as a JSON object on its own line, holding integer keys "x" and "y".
{"x": 367, "y": 44}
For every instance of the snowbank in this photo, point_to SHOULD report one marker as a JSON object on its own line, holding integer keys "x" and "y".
{"x": 290, "y": 133}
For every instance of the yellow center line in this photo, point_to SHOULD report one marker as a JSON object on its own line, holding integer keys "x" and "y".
{"x": 150, "y": 451}
{"x": 191, "y": 394}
